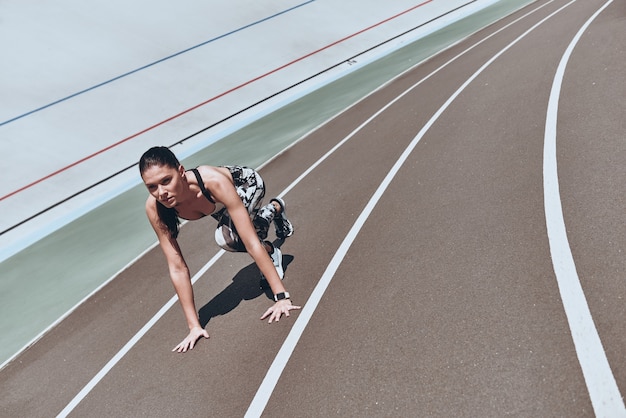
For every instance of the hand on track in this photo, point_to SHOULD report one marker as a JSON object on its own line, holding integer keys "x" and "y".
{"x": 190, "y": 341}
{"x": 281, "y": 307}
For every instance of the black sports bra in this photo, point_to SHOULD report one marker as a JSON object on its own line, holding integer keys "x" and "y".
{"x": 205, "y": 192}
{"x": 219, "y": 207}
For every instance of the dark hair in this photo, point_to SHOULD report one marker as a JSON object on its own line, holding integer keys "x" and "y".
{"x": 162, "y": 156}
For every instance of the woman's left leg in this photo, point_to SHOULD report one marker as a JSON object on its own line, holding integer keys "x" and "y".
{"x": 251, "y": 190}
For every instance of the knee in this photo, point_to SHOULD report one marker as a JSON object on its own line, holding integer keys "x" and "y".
{"x": 225, "y": 240}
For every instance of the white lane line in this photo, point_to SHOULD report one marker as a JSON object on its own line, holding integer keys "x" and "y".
{"x": 603, "y": 390}
{"x": 131, "y": 343}
{"x": 100, "y": 375}
{"x": 259, "y": 402}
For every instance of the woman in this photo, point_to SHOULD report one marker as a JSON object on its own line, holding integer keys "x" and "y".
{"x": 232, "y": 195}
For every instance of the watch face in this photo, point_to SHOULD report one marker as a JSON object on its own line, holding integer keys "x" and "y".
{"x": 281, "y": 296}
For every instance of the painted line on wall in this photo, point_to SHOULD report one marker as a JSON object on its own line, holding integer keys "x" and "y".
{"x": 122, "y": 141}
{"x": 184, "y": 51}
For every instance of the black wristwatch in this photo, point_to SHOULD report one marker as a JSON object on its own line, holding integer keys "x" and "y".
{"x": 281, "y": 296}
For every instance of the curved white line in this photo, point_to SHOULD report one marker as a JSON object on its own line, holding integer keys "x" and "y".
{"x": 264, "y": 392}
{"x": 603, "y": 390}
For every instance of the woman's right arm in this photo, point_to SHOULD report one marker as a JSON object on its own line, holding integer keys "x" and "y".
{"x": 181, "y": 279}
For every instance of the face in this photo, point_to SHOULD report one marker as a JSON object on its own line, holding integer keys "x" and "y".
{"x": 165, "y": 183}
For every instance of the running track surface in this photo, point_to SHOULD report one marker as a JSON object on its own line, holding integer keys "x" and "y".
{"x": 429, "y": 254}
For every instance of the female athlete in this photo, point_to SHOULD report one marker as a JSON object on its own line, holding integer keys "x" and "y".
{"x": 233, "y": 196}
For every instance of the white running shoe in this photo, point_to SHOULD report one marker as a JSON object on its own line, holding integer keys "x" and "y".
{"x": 277, "y": 259}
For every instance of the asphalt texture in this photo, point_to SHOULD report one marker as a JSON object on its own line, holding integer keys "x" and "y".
{"x": 445, "y": 304}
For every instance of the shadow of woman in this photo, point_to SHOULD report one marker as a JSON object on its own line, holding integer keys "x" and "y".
{"x": 246, "y": 285}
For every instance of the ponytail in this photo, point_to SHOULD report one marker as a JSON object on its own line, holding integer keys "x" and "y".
{"x": 169, "y": 219}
